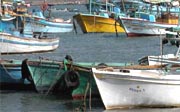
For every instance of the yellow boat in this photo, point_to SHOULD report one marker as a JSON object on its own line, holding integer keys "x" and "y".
{"x": 90, "y": 23}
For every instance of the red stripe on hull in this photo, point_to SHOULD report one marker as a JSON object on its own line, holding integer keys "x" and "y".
{"x": 81, "y": 96}
{"x": 137, "y": 35}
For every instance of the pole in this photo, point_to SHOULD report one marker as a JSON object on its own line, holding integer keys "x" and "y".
{"x": 0, "y": 7}
{"x": 90, "y": 6}
{"x": 106, "y": 7}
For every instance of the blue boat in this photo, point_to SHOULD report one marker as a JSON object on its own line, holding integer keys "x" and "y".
{"x": 11, "y": 75}
{"x": 38, "y": 23}
{"x": 34, "y": 23}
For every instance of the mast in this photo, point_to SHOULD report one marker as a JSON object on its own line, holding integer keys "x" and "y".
{"x": 0, "y": 7}
{"x": 90, "y": 6}
{"x": 106, "y": 6}
{"x": 1, "y": 24}
{"x": 124, "y": 10}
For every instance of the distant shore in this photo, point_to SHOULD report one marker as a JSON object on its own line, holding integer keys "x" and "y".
{"x": 56, "y": 2}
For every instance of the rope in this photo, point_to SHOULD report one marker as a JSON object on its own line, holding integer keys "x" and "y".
{"x": 82, "y": 107}
{"x": 58, "y": 73}
{"x": 6, "y": 70}
{"x": 85, "y": 95}
{"x": 90, "y": 97}
{"x": 116, "y": 28}
{"x": 74, "y": 25}
{"x": 42, "y": 74}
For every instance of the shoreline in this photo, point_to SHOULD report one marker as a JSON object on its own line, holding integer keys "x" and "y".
{"x": 57, "y": 2}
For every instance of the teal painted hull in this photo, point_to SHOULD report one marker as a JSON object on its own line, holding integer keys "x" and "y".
{"x": 46, "y": 74}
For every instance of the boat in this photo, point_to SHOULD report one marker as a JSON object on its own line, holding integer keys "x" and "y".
{"x": 102, "y": 21}
{"x": 11, "y": 75}
{"x": 146, "y": 23}
{"x": 50, "y": 76}
{"x": 35, "y": 22}
{"x": 173, "y": 33}
{"x": 11, "y": 44}
{"x": 161, "y": 59}
{"x": 47, "y": 75}
{"x": 38, "y": 24}
{"x": 139, "y": 86}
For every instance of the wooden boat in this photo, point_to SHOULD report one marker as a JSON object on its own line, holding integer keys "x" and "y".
{"x": 11, "y": 75}
{"x": 50, "y": 76}
{"x": 14, "y": 44}
{"x": 147, "y": 25}
{"x": 47, "y": 75}
{"x": 161, "y": 59}
{"x": 99, "y": 23}
{"x": 138, "y": 86}
{"x": 38, "y": 23}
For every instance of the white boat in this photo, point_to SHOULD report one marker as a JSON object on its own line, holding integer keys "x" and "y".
{"x": 143, "y": 27}
{"x": 38, "y": 23}
{"x": 146, "y": 24}
{"x": 161, "y": 59}
{"x": 128, "y": 88}
{"x": 14, "y": 44}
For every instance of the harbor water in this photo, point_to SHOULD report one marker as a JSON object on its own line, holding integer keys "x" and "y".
{"x": 93, "y": 47}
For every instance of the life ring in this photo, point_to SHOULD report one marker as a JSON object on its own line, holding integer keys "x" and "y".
{"x": 44, "y": 6}
{"x": 71, "y": 79}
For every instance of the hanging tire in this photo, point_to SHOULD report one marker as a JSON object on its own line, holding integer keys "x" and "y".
{"x": 71, "y": 79}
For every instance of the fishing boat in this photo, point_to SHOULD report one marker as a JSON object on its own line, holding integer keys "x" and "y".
{"x": 38, "y": 24}
{"x": 48, "y": 75}
{"x": 139, "y": 86}
{"x": 161, "y": 59}
{"x": 146, "y": 23}
{"x": 11, "y": 44}
{"x": 102, "y": 21}
{"x": 35, "y": 22}
{"x": 11, "y": 75}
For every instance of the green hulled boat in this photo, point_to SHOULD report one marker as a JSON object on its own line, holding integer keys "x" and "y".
{"x": 72, "y": 79}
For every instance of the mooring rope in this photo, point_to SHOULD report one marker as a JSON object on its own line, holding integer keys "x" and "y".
{"x": 10, "y": 75}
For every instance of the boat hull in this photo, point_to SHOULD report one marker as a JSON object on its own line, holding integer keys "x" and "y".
{"x": 11, "y": 75}
{"x": 125, "y": 90}
{"x": 46, "y": 73}
{"x": 38, "y": 26}
{"x": 142, "y": 27}
{"x": 14, "y": 45}
{"x": 98, "y": 24}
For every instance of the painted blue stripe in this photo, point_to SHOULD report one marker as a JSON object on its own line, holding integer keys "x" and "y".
{"x": 63, "y": 25}
{"x": 32, "y": 44}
